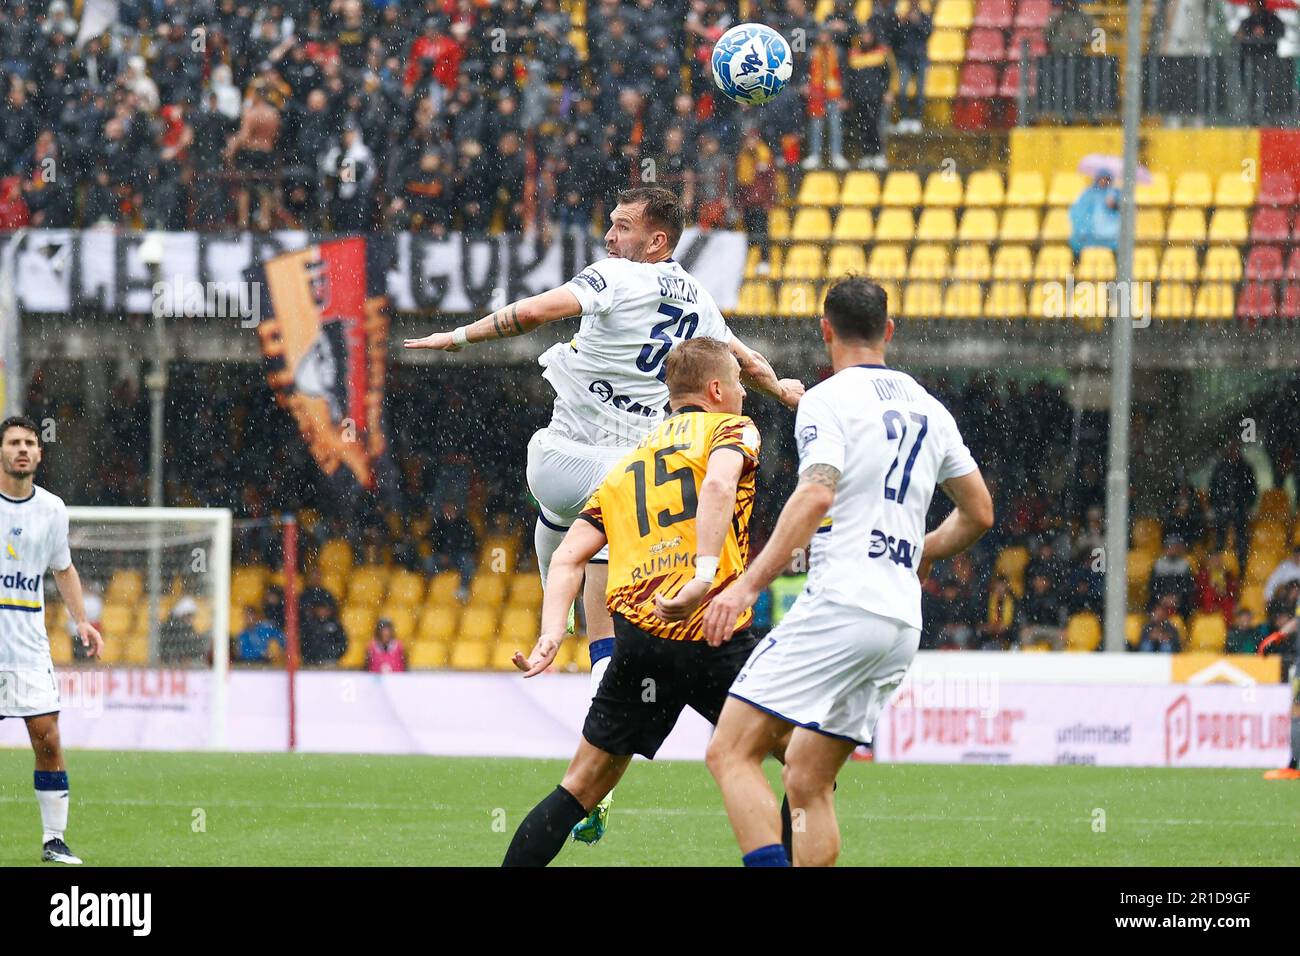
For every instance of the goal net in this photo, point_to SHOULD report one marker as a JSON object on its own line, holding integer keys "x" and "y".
{"x": 157, "y": 585}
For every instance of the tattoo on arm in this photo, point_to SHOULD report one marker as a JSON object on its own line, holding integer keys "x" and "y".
{"x": 827, "y": 475}
{"x": 506, "y": 321}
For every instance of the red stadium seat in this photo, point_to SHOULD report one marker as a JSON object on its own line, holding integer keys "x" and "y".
{"x": 1257, "y": 300}
{"x": 1033, "y": 14}
{"x": 1293, "y": 266}
{"x": 1291, "y": 303}
{"x": 1010, "y": 87}
{"x": 1276, "y": 189}
{"x": 985, "y": 46}
{"x": 974, "y": 103}
{"x": 1037, "y": 44}
{"x": 994, "y": 14}
{"x": 1264, "y": 263}
{"x": 1270, "y": 225}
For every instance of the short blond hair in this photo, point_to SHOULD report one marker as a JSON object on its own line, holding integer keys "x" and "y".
{"x": 692, "y": 364}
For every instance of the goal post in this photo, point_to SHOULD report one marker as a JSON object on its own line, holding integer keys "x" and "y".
{"x": 157, "y": 580}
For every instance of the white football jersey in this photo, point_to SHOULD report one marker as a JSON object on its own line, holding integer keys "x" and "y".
{"x": 892, "y": 442}
{"x": 33, "y": 538}
{"x": 609, "y": 380}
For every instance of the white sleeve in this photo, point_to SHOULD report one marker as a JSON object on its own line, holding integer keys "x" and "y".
{"x": 60, "y": 555}
{"x": 713, "y": 325}
{"x": 957, "y": 459}
{"x": 818, "y": 433}
{"x": 596, "y": 287}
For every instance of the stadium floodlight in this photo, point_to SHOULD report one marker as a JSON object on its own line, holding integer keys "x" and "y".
{"x": 112, "y": 548}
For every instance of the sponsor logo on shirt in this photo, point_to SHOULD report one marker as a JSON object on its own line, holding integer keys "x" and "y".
{"x": 807, "y": 435}
{"x": 592, "y": 278}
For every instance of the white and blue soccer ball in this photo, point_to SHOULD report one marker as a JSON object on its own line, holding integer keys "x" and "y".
{"x": 751, "y": 63}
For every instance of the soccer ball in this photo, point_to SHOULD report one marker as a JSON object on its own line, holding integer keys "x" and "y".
{"x": 751, "y": 63}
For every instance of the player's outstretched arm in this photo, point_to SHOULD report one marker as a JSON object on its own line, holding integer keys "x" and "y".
{"x": 69, "y": 584}
{"x": 756, "y": 372}
{"x": 965, "y": 524}
{"x": 517, "y": 318}
{"x": 799, "y": 520}
{"x": 717, "y": 503}
{"x": 563, "y": 583}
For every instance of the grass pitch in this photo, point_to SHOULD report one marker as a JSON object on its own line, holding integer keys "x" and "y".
{"x": 198, "y": 809}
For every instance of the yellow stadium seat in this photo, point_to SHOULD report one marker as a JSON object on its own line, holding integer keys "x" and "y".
{"x": 443, "y": 588}
{"x": 887, "y": 262}
{"x": 778, "y": 224}
{"x": 1046, "y": 300}
{"x": 1186, "y": 225}
{"x": 936, "y": 225}
{"x": 922, "y": 300}
{"x": 1209, "y": 633}
{"x": 114, "y": 651}
{"x": 1146, "y": 264}
{"x": 1252, "y": 599}
{"x": 753, "y": 257}
{"x": 1019, "y": 225}
{"x": 954, "y": 14}
{"x": 1011, "y": 563}
{"x": 1083, "y": 632}
{"x": 947, "y": 46}
{"x": 845, "y": 259}
{"x": 892, "y": 295}
{"x": 1234, "y": 190}
{"x": 354, "y": 658}
{"x": 1065, "y": 189}
{"x": 861, "y": 188}
{"x": 811, "y": 224}
{"x": 335, "y": 557}
{"x": 971, "y": 262}
{"x": 1054, "y": 262}
{"x": 804, "y": 262}
{"x": 1013, "y": 262}
{"x": 1096, "y": 265}
{"x": 358, "y": 622}
{"x": 1149, "y": 225}
{"x": 928, "y": 262}
{"x": 526, "y": 590}
{"x": 136, "y": 650}
{"x": 1193, "y": 188}
{"x": 1056, "y": 226}
{"x": 503, "y": 653}
{"x": 1215, "y": 300}
{"x": 1139, "y": 576}
{"x": 1154, "y": 193}
{"x": 901, "y": 188}
{"x": 470, "y": 655}
{"x": 978, "y": 225}
{"x": 1006, "y": 300}
{"x": 520, "y": 626}
{"x": 478, "y": 624}
{"x": 403, "y": 620}
{"x": 124, "y": 587}
{"x": 755, "y": 299}
{"x": 941, "y": 82}
{"x": 1133, "y": 624}
{"x": 984, "y": 188}
{"x": 116, "y": 621}
{"x": 572, "y": 657}
{"x": 1179, "y": 264}
{"x": 367, "y": 585}
{"x": 1173, "y": 300}
{"x": 853, "y": 225}
{"x": 797, "y": 300}
{"x": 499, "y": 553}
{"x": 1222, "y": 264}
{"x": 1027, "y": 189}
{"x": 1147, "y": 533}
{"x": 406, "y": 589}
{"x": 1229, "y": 225}
{"x": 335, "y": 584}
{"x": 819, "y": 189}
{"x": 438, "y": 624}
{"x": 488, "y": 589}
{"x": 895, "y": 225}
{"x": 61, "y": 647}
{"x": 942, "y": 189}
{"x": 423, "y": 655}
{"x": 963, "y": 300}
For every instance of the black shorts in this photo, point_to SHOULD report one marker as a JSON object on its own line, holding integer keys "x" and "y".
{"x": 648, "y": 682}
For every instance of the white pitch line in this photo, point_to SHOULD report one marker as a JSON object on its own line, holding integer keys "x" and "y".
{"x": 668, "y": 812}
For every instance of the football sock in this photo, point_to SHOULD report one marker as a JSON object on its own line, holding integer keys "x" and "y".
{"x": 52, "y": 795}
{"x": 771, "y": 855}
{"x": 600, "y": 650}
{"x": 787, "y": 830}
{"x": 542, "y": 834}
{"x": 1295, "y": 744}
{"x": 547, "y": 536}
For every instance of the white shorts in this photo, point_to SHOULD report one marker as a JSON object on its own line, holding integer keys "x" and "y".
{"x": 828, "y": 667}
{"x": 28, "y": 693}
{"x": 563, "y": 474}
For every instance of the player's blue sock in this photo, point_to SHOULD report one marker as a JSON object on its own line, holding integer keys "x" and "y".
{"x": 600, "y": 648}
{"x": 771, "y": 855}
{"x": 52, "y": 797}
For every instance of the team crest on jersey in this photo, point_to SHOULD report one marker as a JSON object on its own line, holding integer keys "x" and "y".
{"x": 10, "y": 550}
{"x": 592, "y": 278}
{"x": 807, "y": 435}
